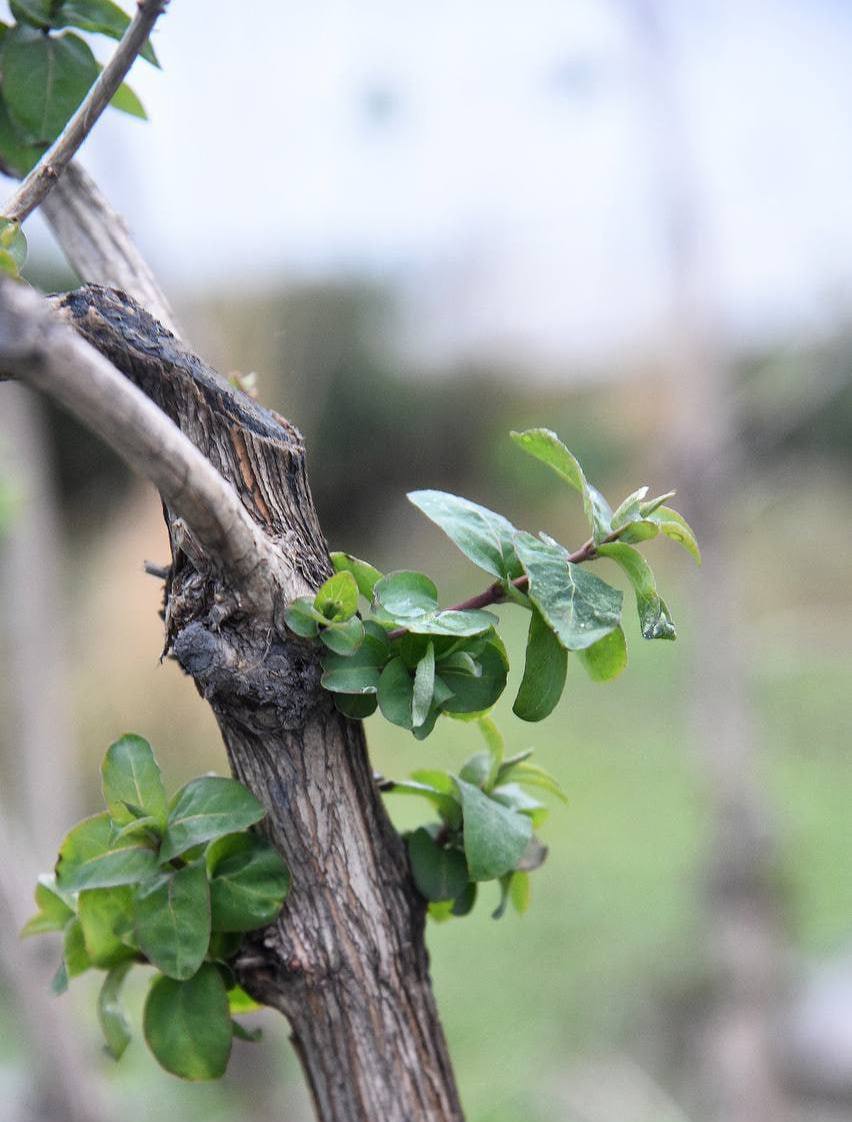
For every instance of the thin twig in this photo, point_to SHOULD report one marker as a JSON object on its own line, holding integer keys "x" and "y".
{"x": 36, "y": 186}
{"x": 496, "y": 593}
{"x": 37, "y": 348}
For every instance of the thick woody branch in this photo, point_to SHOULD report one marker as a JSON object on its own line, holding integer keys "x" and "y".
{"x": 48, "y": 355}
{"x": 37, "y": 185}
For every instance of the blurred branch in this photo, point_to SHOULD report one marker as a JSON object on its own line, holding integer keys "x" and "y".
{"x": 37, "y": 185}
{"x": 40, "y": 350}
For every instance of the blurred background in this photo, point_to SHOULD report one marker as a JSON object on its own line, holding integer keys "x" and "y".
{"x": 421, "y": 226}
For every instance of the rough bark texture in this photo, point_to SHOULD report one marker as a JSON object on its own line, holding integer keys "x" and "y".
{"x": 346, "y": 962}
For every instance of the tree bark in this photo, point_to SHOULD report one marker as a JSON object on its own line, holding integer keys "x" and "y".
{"x": 346, "y": 962}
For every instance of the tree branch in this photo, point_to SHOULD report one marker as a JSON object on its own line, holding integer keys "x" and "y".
{"x": 43, "y": 352}
{"x": 37, "y": 185}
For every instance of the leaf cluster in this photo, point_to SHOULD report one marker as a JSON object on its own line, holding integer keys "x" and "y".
{"x": 485, "y": 830}
{"x": 416, "y": 661}
{"x": 47, "y": 70}
{"x": 173, "y": 884}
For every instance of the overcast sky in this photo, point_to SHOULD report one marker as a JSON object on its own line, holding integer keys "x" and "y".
{"x": 500, "y": 161}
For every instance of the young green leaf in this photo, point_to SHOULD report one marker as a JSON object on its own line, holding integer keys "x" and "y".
{"x": 406, "y": 595}
{"x": 445, "y": 801}
{"x": 101, "y": 17}
{"x": 250, "y": 1036}
{"x": 477, "y": 769}
{"x": 448, "y": 622}
{"x": 515, "y": 797}
{"x": 337, "y": 598}
{"x": 424, "y": 686}
{"x": 630, "y": 510}
{"x": 496, "y": 748}
{"x": 439, "y": 873}
{"x": 44, "y": 79}
{"x": 495, "y": 837}
{"x": 188, "y": 1024}
{"x": 173, "y": 920}
{"x": 248, "y": 882}
{"x": 531, "y": 776}
{"x": 130, "y": 774}
{"x": 579, "y": 607}
{"x": 546, "y": 446}
{"x": 477, "y": 693}
{"x": 343, "y": 638}
{"x": 103, "y": 913}
{"x": 302, "y": 617}
{"x": 74, "y": 951}
{"x": 364, "y": 573}
{"x": 126, "y": 101}
{"x": 396, "y": 693}
{"x": 484, "y": 537}
{"x": 207, "y": 808}
{"x": 545, "y": 670}
{"x": 239, "y": 1002}
{"x": 54, "y": 910}
{"x": 519, "y": 892}
{"x": 676, "y": 527}
{"x": 110, "y": 1014}
{"x": 352, "y": 680}
{"x": 90, "y": 857}
{"x": 607, "y": 658}
{"x": 13, "y": 246}
{"x": 654, "y": 617}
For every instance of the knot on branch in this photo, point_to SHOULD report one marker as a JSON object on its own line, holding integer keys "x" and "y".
{"x": 263, "y": 682}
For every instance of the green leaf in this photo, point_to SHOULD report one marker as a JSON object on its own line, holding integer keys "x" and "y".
{"x": 44, "y": 79}
{"x": 126, "y": 101}
{"x": 188, "y": 1024}
{"x": 337, "y": 598}
{"x": 207, "y": 808}
{"x": 343, "y": 638}
{"x": 239, "y": 1002}
{"x": 477, "y": 769}
{"x": 352, "y": 680}
{"x": 53, "y": 911}
{"x": 424, "y": 685}
{"x": 173, "y": 920}
{"x": 445, "y": 802}
{"x": 531, "y": 776}
{"x": 251, "y": 1036}
{"x": 439, "y": 873}
{"x": 579, "y": 607}
{"x": 396, "y": 694}
{"x": 356, "y": 708}
{"x": 520, "y": 891}
{"x": 130, "y": 774}
{"x": 545, "y": 670}
{"x": 36, "y": 13}
{"x": 17, "y": 153}
{"x": 654, "y": 617}
{"x": 484, "y": 537}
{"x": 110, "y": 1013}
{"x": 463, "y": 904}
{"x": 496, "y": 748}
{"x": 90, "y": 857}
{"x": 630, "y": 510}
{"x": 448, "y": 622}
{"x": 364, "y": 573}
{"x": 248, "y": 882}
{"x": 13, "y": 242}
{"x": 302, "y": 618}
{"x": 546, "y": 446}
{"x": 641, "y": 531}
{"x": 515, "y": 797}
{"x": 148, "y": 826}
{"x": 495, "y": 837}
{"x": 406, "y": 595}
{"x": 103, "y": 913}
{"x": 676, "y": 527}
{"x": 476, "y": 694}
{"x": 500, "y": 910}
{"x": 607, "y": 658}
{"x": 100, "y": 17}
{"x": 74, "y": 951}
{"x": 651, "y": 505}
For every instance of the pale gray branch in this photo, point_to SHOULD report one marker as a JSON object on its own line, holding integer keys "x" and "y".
{"x": 46, "y": 354}
{"x": 99, "y": 248}
{"x": 37, "y": 185}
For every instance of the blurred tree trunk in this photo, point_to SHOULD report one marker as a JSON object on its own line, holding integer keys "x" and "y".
{"x": 735, "y": 1058}
{"x": 38, "y": 749}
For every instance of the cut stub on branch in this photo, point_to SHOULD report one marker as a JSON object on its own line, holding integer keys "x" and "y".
{"x": 346, "y": 961}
